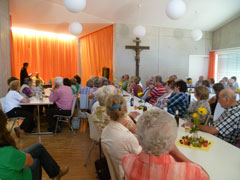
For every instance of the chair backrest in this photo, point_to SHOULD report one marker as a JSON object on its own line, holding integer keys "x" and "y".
{"x": 1, "y": 102}
{"x": 94, "y": 130}
{"x": 73, "y": 105}
{"x": 84, "y": 101}
{"x": 110, "y": 163}
{"x": 218, "y": 111}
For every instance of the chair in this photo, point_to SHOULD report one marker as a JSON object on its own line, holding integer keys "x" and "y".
{"x": 218, "y": 111}
{"x": 110, "y": 164}
{"x": 67, "y": 119}
{"x": 94, "y": 135}
{"x": 15, "y": 119}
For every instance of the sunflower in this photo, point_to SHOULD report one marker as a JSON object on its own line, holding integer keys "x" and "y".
{"x": 195, "y": 115}
{"x": 120, "y": 83}
{"x": 202, "y": 111}
{"x": 140, "y": 93}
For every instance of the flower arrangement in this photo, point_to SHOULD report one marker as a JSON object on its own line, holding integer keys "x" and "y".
{"x": 190, "y": 81}
{"x": 197, "y": 118}
{"x": 140, "y": 94}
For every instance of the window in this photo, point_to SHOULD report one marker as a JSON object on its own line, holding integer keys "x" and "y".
{"x": 227, "y": 65}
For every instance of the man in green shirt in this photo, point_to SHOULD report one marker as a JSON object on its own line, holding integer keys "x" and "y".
{"x": 125, "y": 80}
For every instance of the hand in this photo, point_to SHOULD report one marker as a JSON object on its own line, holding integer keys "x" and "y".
{"x": 30, "y": 74}
{"x": 187, "y": 124}
{"x": 133, "y": 115}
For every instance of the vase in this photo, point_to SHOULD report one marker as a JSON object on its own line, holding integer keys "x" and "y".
{"x": 195, "y": 135}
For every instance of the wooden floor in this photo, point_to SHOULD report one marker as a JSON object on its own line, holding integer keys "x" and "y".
{"x": 67, "y": 150}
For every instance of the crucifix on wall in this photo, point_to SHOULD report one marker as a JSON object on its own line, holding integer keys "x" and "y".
{"x": 138, "y": 49}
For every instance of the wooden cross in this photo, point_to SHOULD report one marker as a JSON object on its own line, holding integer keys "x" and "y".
{"x": 138, "y": 49}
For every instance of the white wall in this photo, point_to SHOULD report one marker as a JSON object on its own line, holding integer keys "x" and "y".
{"x": 228, "y": 36}
{"x": 5, "y": 62}
{"x": 169, "y": 51}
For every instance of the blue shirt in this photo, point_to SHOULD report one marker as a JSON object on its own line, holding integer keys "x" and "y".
{"x": 178, "y": 102}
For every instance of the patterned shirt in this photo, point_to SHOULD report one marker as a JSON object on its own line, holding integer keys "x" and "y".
{"x": 137, "y": 89}
{"x": 178, "y": 102}
{"x": 85, "y": 90}
{"x": 150, "y": 167}
{"x": 228, "y": 124}
{"x": 156, "y": 93}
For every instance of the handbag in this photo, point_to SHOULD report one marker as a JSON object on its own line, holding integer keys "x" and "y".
{"x": 102, "y": 166}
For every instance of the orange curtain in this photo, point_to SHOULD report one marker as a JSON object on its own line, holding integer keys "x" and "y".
{"x": 50, "y": 56}
{"x": 211, "y": 66}
{"x": 96, "y": 53}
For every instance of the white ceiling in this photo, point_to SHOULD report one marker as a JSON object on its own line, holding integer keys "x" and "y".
{"x": 51, "y": 15}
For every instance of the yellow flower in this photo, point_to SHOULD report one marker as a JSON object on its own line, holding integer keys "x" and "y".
{"x": 115, "y": 80}
{"x": 166, "y": 80}
{"x": 120, "y": 83}
{"x": 202, "y": 111}
{"x": 195, "y": 115}
{"x": 238, "y": 89}
{"x": 190, "y": 81}
{"x": 140, "y": 93}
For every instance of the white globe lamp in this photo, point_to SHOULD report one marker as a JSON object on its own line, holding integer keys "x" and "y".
{"x": 75, "y": 28}
{"x": 197, "y": 34}
{"x": 175, "y": 9}
{"x": 139, "y": 31}
{"x": 75, "y": 6}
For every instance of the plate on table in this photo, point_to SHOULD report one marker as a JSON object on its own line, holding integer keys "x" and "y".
{"x": 200, "y": 143}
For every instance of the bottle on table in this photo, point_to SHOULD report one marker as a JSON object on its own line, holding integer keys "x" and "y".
{"x": 177, "y": 118}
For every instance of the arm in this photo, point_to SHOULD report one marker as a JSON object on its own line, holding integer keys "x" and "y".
{"x": 178, "y": 155}
{"x": 29, "y": 160}
{"x": 25, "y": 100}
{"x": 212, "y": 100}
{"x": 204, "y": 128}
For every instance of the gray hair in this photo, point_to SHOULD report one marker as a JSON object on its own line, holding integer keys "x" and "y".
{"x": 228, "y": 94}
{"x": 104, "y": 92}
{"x": 156, "y": 132}
{"x": 58, "y": 81}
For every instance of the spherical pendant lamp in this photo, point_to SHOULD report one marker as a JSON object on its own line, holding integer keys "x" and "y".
{"x": 176, "y": 9}
{"x": 75, "y": 6}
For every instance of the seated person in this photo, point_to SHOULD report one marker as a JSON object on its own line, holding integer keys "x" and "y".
{"x": 116, "y": 137}
{"x": 214, "y": 100}
{"x": 206, "y": 83}
{"x": 12, "y": 108}
{"x": 169, "y": 88}
{"x": 178, "y": 100}
{"x": 159, "y": 159}
{"x": 26, "y": 89}
{"x": 199, "y": 82}
{"x": 125, "y": 80}
{"x": 157, "y": 92}
{"x": 136, "y": 87}
{"x": 74, "y": 85}
{"x": 37, "y": 88}
{"x": 173, "y": 78}
{"x": 62, "y": 97}
{"x": 27, "y": 164}
{"x": 86, "y": 89}
{"x": 211, "y": 82}
{"x": 12, "y": 78}
{"x": 100, "y": 112}
{"x": 227, "y": 126}
{"x": 79, "y": 80}
{"x": 189, "y": 83}
{"x": 235, "y": 83}
{"x": 37, "y": 77}
{"x": 201, "y": 93}
{"x": 149, "y": 88}
{"x": 130, "y": 84}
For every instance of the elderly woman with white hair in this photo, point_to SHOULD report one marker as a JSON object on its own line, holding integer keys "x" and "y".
{"x": 62, "y": 97}
{"x": 160, "y": 159}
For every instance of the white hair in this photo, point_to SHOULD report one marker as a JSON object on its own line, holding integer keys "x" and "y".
{"x": 156, "y": 132}
{"x": 104, "y": 92}
{"x": 58, "y": 81}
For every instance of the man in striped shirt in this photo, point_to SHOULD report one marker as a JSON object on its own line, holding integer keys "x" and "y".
{"x": 157, "y": 92}
{"x": 160, "y": 159}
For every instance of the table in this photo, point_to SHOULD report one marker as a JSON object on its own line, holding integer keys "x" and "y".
{"x": 222, "y": 162}
{"x": 37, "y": 102}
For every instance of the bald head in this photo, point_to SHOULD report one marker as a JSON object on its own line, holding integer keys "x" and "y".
{"x": 227, "y": 98}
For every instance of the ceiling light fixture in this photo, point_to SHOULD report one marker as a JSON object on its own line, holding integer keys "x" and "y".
{"x": 75, "y": 6}
{"x": 175, "y": 9}
{"x": 75, "y": 28}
